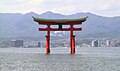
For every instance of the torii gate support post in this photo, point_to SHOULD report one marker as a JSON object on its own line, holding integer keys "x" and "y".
{"x": 73, "y": 45}
{"x": 72, "y": 40}
{"x": 48, "y": 40}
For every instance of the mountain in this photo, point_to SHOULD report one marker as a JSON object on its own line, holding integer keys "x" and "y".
{"x": 22, "y": 25}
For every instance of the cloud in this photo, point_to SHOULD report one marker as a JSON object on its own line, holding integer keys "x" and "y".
{"x": 21, "y": 6}
{"x": 20, "y": 2}
{"x": 101, "y": 7}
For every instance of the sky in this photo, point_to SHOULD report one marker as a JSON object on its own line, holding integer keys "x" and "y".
{"x": 108, "y": 8}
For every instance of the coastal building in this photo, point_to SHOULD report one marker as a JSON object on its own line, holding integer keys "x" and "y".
{"x": 39, "y": 44}
{"x": 95, "y": 43}
{"x": 108, "y": 43}
{"x": 17, "y": 43}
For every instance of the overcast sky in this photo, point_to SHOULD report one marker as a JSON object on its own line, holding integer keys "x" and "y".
{"x": 99, "y": 7}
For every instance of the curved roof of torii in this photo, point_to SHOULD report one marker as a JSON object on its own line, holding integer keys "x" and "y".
{"x": 59, "y": 21}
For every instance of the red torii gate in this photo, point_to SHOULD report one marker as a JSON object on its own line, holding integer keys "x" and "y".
{"x": 60, "y": 22}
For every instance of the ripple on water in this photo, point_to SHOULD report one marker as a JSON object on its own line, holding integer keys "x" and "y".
{"x": 57, "y": 62}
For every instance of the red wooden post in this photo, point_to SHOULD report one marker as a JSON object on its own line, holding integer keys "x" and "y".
{"x": 71, "y": 39}
{"x": 48, "y": 40}
{"x": 47, "y": 45}
{"x": 73, "y": 44}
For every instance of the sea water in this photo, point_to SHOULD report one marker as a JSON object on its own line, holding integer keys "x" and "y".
{"x": 60, "y": 59}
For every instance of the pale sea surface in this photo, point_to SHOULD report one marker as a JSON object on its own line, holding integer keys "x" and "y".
{"x": 60, "y": 59}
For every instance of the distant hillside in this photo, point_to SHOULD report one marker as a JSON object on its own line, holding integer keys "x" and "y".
{"x": 22, "y": 25}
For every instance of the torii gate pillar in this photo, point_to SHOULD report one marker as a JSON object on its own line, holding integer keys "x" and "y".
{"x": 72, "y": 44}
{"x": 72, "y": 40}
{"x": 48, "y": 40}
{"x": 47, "y": 44}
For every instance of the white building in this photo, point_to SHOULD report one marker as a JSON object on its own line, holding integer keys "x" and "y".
{"x": 108, "y": 43}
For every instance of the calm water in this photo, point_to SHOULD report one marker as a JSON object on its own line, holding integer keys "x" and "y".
{"x": 35, "y": 59}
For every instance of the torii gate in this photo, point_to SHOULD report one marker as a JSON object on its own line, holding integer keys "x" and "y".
{"x": 60, "y": 23}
